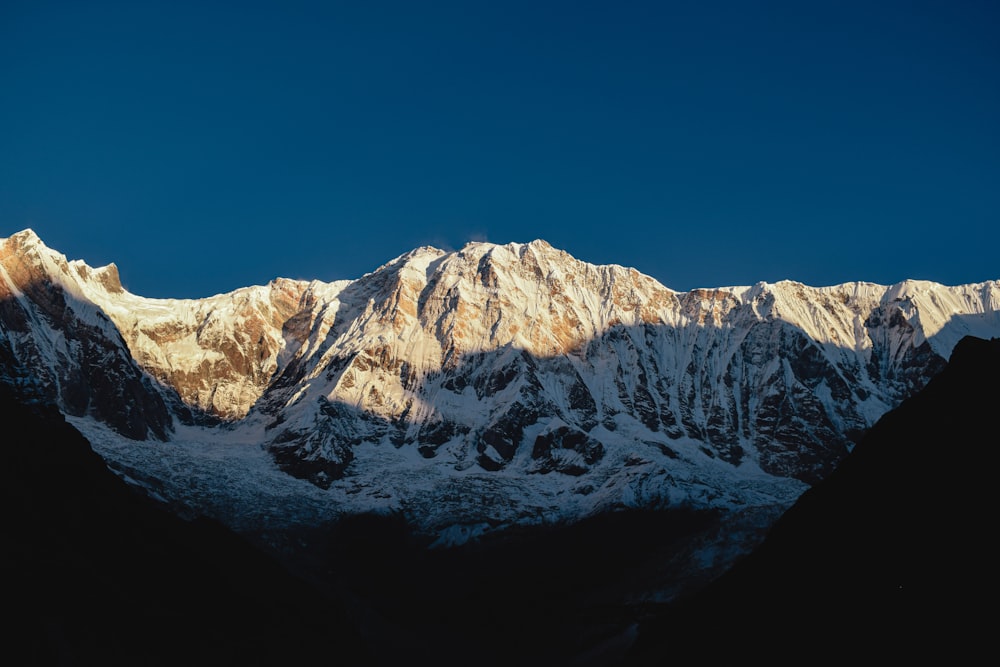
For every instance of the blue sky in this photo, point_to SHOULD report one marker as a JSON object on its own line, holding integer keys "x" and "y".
{"x": 207, "y": 146}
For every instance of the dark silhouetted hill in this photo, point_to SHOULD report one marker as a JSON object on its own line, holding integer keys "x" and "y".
{"x": 94, "y": 574}
{"x": 892, "y": 557}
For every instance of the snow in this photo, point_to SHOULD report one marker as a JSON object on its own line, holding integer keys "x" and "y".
{"x": 384, "y": 344}
{"x": 220, "y": 473}
{"x": 226, "y": 474}
{"x": 537, "y": 288}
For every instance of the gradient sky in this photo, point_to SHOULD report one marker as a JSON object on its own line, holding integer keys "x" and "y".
{"x": 208, "y": 146}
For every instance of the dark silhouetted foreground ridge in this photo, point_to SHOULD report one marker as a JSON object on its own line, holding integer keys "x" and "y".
{"x": 892, "y": 556}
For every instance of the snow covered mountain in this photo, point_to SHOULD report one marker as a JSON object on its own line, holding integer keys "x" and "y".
{"x": 494, "y": 386}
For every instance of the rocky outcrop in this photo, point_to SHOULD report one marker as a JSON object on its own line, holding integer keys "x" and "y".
{"x": 74, "y": 353}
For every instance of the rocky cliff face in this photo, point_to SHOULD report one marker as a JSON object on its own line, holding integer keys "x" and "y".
{"x": 516, "y": 361}
{"x": 71, "y": 349}
{"x": 520, "y": 355}
{"x": 218, "y": 353}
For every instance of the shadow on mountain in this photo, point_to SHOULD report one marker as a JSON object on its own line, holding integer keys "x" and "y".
{"x": 90, "y": 370}
{"x": 720, "y": 392}
{"x": 105, "y": 577}
{"x": 531, "y": 597}
{"x": 714, "y": 383}
{"x": 891, "y": 557}
{"x": 96, "y": 575}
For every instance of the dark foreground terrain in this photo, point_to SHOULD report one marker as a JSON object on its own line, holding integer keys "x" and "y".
{"x": 892, "y": 558}
{"x": 98, "y": 575}
{"x": 93, "y": 574}
{"x": 887, "y": 559}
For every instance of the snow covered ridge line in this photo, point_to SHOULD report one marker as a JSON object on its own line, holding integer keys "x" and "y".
{"x": 473, "y": 391}
{"x": 512, "y": 357}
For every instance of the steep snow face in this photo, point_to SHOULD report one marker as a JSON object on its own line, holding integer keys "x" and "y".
{"x": 520, "y": 355}
{"x": 72, "y": 351}
{"x": 471, "y": 350}
{"x": 218, "y": 353}
{"x": 512, "y": 372}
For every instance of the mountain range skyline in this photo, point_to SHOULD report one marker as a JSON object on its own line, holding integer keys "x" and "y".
{"x": 440, "y": 370}
{"x": 446, "y": 249}
{"x": 475, "y": 417}
{"x": 507, "y": 332}
{"x": 212, "y": 146}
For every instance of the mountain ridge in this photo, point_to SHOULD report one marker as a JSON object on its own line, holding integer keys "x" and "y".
{"x": 475, "y": 391}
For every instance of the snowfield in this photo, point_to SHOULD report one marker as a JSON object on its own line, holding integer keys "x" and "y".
{"x": 229, "y": 476}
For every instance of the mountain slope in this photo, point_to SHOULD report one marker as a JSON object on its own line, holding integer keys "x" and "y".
{"x": 889, "y": 556}
{"x": 95, "y": 574}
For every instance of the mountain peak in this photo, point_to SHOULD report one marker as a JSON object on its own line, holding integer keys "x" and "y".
{"x": 23, "y": 240}
{"x": 514, "y": 247}
{"x": 418, "y": 258}
{"x": 25, "y": 234}
{"x": 106, "y": 276}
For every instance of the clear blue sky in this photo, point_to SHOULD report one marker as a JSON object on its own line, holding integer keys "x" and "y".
{"x": 207, "y": 146}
